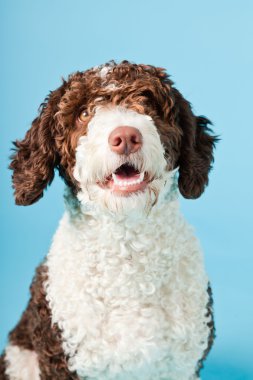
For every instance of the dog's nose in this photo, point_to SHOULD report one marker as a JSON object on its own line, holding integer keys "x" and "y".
{"x": 125, "y": 140}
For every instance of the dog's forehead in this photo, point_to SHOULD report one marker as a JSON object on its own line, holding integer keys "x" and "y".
{"x": 123, "y": 81}
{"x": 137, "y": 86}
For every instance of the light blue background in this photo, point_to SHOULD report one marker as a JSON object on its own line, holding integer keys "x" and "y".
{"x": 207, "y": 47}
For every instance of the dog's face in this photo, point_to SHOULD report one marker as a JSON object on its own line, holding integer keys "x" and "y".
{"x": 115, "y": 133}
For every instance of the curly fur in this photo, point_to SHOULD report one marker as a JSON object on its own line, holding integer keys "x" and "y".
{"x": 123, "y": 292}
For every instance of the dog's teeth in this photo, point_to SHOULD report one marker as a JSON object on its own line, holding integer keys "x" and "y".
{"x": 141, "y": 178}
{"x": 127, "y": 183}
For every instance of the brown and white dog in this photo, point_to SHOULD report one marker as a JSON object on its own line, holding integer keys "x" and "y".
{"x": 122, "y": 293}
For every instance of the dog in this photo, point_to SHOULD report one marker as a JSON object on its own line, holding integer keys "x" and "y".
{"x": 122, "y": 293}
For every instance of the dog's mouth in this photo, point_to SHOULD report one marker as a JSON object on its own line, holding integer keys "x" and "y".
{"x": 125, "y": 180}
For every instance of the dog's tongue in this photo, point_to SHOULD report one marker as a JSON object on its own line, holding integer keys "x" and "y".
{"x": 127, "y": 172}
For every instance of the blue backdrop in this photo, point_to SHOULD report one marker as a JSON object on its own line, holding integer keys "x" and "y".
{"x": 207, "y": 48}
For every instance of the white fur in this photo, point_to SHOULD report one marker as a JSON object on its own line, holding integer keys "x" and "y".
{"x": 21, "y": 364}
{"x": 103, "y": 70}
{"x": 129, "y": 294}
{"x": 127, "y": 288}
{"x": 111, "y": 86}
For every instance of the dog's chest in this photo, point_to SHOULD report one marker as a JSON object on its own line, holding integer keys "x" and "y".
{"x": 109, "y": 292}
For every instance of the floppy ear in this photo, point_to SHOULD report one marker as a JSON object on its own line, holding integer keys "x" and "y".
{"x": 196, "y": 154}
{"x": 35, "y": 157}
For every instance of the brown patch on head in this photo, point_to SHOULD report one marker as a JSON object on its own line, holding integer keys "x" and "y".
{"x": 52, "y": 140}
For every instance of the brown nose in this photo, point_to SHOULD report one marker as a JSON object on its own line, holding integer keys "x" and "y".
{"x": 125, "y": 140}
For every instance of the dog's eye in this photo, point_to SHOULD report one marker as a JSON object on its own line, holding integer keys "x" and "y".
{"x": 82, "y": 116}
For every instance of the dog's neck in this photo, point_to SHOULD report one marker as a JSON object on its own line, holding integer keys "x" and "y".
{"x": 166, "y": 200}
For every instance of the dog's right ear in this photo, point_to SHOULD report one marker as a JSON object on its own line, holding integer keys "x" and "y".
{"x": 197, "y": 145}
{"x": 35, "y": 156}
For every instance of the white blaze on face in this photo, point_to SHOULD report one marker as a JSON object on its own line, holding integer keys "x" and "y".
{"x": 95, "y": 161}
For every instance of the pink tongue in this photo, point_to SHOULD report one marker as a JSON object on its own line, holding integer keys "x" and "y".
{"x": 127, "y": 177}
{"x": 127, "y": 173}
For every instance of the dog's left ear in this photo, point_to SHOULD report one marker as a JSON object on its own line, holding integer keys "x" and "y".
{"x": 196, "y": 153}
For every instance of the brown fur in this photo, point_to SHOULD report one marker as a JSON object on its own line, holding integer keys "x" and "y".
{"x": 3, "y": 376}
{"x": 52, "y": 139}
{"x": 211, "y": 333}
{"x": 35, "y": 332}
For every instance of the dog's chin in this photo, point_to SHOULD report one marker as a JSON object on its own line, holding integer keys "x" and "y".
{"x": 121, "y": 199}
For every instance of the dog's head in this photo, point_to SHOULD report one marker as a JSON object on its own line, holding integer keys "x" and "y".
{"x": 114, "y": 133}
